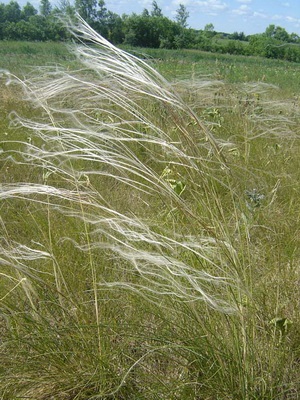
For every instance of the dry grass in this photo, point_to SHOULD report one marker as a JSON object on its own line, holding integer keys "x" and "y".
{"x": 149, "y": 236}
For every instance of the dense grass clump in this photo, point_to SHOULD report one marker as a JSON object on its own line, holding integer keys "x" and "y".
{"x": 149, "y": 233}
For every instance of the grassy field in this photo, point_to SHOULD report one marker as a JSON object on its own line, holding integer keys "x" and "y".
{"x": 149, "y": 227}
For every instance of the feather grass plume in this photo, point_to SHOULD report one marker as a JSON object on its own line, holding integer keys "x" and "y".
{"x": 118, "y": 207}
{"x": 115, "y": 124}
{"x": 132, "y": 265}
{"x": 118, "y": 200}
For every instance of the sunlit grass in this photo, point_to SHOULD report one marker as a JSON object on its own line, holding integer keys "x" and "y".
{"x": 149, "y": 230}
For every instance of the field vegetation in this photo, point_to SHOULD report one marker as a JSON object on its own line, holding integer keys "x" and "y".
{"x": 149, "y": 224}
{"x": 149, "y": 29}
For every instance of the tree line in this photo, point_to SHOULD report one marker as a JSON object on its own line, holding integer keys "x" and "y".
{"x": 148, "y": 29}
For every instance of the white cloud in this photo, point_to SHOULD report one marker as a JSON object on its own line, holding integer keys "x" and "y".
{"x": 292, "y": 19}
{"x": 242, "y": 10}
{"x": 259, "y": 15}
{"x": 184, "y": 2}
{"x": 145, "y": 3}
{"x": 212, "y": 5}
{"x": 245, "y": 11}
{"x": 207, "y": 6}
{"x": 286, "y": 18}
{"x": 244, "y": 1}
{"x": 276, "y": 17}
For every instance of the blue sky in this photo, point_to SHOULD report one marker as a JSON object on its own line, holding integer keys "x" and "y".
{"x": 248, "y": 16}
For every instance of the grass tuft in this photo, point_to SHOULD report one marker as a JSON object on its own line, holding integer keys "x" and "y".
{"x": 146, "y": 247}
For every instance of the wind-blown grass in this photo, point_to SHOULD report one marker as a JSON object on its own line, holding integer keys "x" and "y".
{"x": 127, "y": 246}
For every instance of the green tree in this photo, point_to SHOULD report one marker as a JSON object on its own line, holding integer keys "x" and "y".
{"x": 141, "y": 31}
{"x": 203, "y": 42}
{"x": 277, "y": 32}
{"x": 37, "y": 26}
{"x": 233, "y": 47}
{"x": 23, "y": 30}
{"x": 294, "y": 38}
{"x": 9, "y": 30}
{"x": 102, "y": 10}
{"x": 209, "y": 30}
{"x": 65, "y": 7}
{"x": 156, "y": 10}
{"x": 45, "y": 8}
{"x": 265, "y": 46}
{"x": 145, "y": 13}
{"x": 28, "y": 11}
{"x": 281, "y": 34}
{"x": 182, "y": 16}
{"x": 2, "y": 12}
{"x": 101, "y": 19}
{"x": 169, "y": 32}
{"x": 238, "y": 36}
{"x": 54, "y": 29}
{"x": 87, "y": 9}
{"x": 115, "y": 28}
{"x": 209, "y": 27}
{"x": 270, "y": 30}
{"x": 145, "y": 31}
{"x": 12, "y": 12}
{"x": 292, "y": 53}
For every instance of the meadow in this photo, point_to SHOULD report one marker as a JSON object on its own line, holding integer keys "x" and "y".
{"x": 149, "y": 224}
